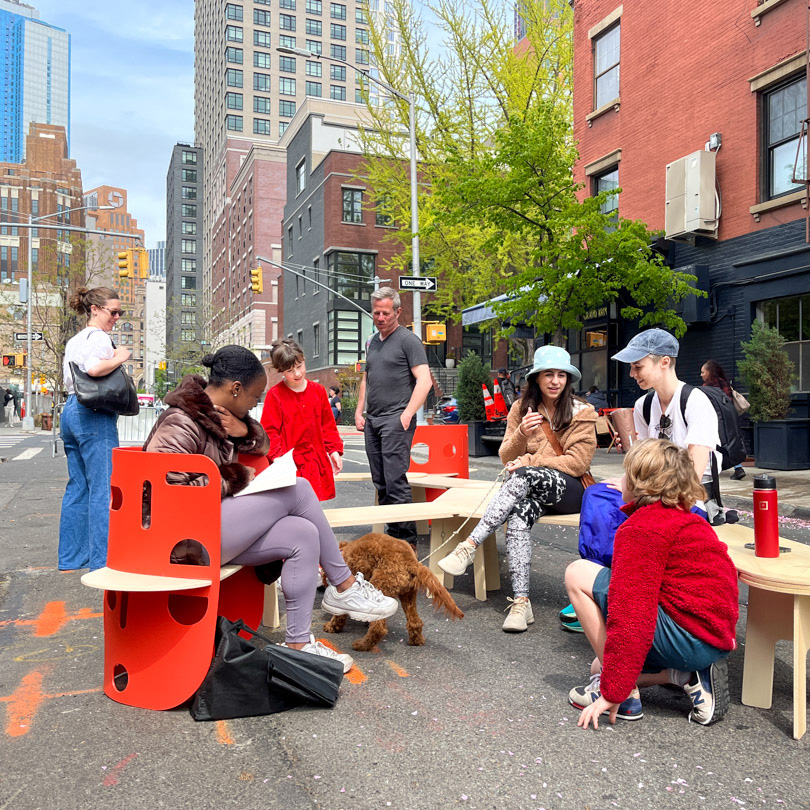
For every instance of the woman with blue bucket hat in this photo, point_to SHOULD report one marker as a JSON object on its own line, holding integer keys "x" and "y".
{"x": 542, "y": 481}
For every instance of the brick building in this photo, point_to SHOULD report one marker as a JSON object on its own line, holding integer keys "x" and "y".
{"x": 654, "y": 83}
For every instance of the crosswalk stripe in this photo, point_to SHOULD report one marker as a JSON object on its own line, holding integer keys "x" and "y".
{"x": 27, "y": 454}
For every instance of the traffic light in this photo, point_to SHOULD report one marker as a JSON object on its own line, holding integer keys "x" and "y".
{"x": 143, "y": 263}
{"x": 10, "y": 360}
{"x": 125, "y": 263}
{"x": 162, "y": 365}
{"x": 256, "y": 283}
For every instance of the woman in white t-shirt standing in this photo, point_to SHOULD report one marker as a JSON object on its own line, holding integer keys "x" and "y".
{"x": 89, "y": 436}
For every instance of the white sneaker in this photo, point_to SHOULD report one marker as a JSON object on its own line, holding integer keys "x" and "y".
{"x": 363, "y": 602}
{"x": 520, "y": 615}
{"x": 317, "y": 648}
{"x": 457, "y": 561}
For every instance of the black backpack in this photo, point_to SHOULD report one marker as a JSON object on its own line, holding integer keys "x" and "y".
{"x": 731, "y": 447}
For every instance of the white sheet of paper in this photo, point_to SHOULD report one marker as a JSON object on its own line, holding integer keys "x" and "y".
{"x": 281, "y": 473}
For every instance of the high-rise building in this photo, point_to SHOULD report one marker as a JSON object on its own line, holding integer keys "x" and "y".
{"x": 36, "y": 76}
{"x": 157, "y": 262}
{"x": 129, "y": 330}
{"x": 155, "y": 323}
{"x": 184, "y": 305}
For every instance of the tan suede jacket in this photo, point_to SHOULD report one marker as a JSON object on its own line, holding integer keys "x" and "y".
{"x": 578, "y": 441}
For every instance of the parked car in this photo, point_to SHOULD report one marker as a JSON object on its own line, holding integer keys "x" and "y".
{"x": 446, "y": 411}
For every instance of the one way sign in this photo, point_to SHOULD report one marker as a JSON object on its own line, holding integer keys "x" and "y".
{"x": 421, "y": 283}
{"x": 24, "y": 336}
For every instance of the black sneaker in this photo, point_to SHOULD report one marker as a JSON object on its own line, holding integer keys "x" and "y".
{"x": 738, "y": 474}
{"x": 708, "y": 691}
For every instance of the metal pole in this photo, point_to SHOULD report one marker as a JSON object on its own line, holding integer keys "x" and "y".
{"x": 28, "y": 419}
{"x": 417, "y": 296}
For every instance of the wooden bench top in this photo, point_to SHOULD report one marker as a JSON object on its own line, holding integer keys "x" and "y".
{"x": 388, "y": 513}
{"x": 109, "y": 579}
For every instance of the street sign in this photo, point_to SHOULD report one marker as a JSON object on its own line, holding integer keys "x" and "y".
{"x": 421, "y": 283}
{"x": 24, "y": 336}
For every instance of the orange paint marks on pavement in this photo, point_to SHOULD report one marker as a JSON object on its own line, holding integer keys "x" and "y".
{"x": 224, "y": 736}
{"x": 355, "y": 675}
{"x": 112, "y": 777}
{"x": 24, "y": 704}
{"x": 398, "y": 669}
{"x": 52, "y": 619}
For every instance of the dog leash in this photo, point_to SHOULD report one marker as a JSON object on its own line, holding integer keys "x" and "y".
{"x": 501, "y": 474}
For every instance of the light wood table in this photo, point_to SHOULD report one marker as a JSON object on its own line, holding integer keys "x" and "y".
{"x": 778, "y": 609}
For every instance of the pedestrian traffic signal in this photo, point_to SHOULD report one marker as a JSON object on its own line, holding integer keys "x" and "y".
{"x": 256, "y": 283}
{"x": 143, "y": 263}
{"x": 125, "y": 263}
{"x": 13, "y": 360}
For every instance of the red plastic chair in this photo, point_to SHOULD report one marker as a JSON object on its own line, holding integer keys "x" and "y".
{"x": 448, "y": 453}
{"x": 160, "y": 616}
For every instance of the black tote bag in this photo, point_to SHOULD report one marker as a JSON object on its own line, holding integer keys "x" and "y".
{"x": 247, "y": 681}
{"x": 114, "y": 392}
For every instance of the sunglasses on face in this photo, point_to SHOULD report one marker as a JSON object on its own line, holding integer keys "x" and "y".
{"x": 664, "y": 427}
{"x": 116, "y": 313}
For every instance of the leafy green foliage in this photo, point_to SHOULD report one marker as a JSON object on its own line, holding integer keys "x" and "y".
{"x": 469, "y": 394}
{"x": 768, "y": 373}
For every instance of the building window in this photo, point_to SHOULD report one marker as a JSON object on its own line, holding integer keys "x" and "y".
{"x": 348, "y": 332}
{"x": 286, "y": 87}
{"x": 234, "y": 55}
{"x": 791, "y": 318}
{"x": 189, "y": 192}
{"x": 337, "y": 92}
{"x": 261, "y": 126}
{"x": 361, "y": 36}
{"x": 286, "y": 108}
{"x": 233, "y": 101}
{"x": 337, "y": 31}
{"x": 189, "y": 158}
{"x": 301, "y": 176}
{"x": 261, "y": 17}
{"x": 232, "y": 123}
{"x": 188, "y": 210}
{"x": 188, "y": 317}
{"x": 352, "y": 205}
{"x": 606, "y": 52}
{"x": 301, "y": 230}
{"x": 233, "y": 77}
{"x": 380, "y": 217}
{"x": 314, "y": 46}
{"x": 263, "y": 60}
{"x": 309, "y": 217}
{"x": 233, "y": 12}
{"x": 286, "y": 22}
{"x": 314, "y": 6}
{"x": 337, "y": 73}
{"x": 262, "y": 2}
{"x": 233, "y": 33}
{"x": 187, "y": 335}
{"x": 290, "y": 242}
{"x": 316, "y": 339}
{"x": 290, "y": 4}
{"x": 189, "y": 228}
{"x": 608, "y": 181}
{"x": 188, "y": 299}
{"x": 361, "y": 16}
{"x": 188, "y": 265}
{"x": 188, "y": 283}
{"x": 286, "y": 41}
{"x": 314, "y": 68}
{"x": 785, "y": 108}
{"x": 316, "y": 263}
{"x": 314, "y": 28}
{"x": 188, "y": 245}
{"x": 313, "y": 89}
{"x": 362, "y": 56}
{"x": 261, "y": 82}
{"x": 282, "y": 127}
{"x": 338, "y": 52}
{"x": 337, "y": 11}
{"x": 261, "y": 39}
{"x": 261, "y": 105}
{"x": 286, "y": 64}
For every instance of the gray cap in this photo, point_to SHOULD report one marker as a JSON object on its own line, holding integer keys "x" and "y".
{"x": 651, "y": 341}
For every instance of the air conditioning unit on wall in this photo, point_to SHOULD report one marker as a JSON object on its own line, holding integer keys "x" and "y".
{"x": 692, "y": 207}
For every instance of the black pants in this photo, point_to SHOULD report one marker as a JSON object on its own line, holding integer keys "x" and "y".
{"x": 388, "y": 448}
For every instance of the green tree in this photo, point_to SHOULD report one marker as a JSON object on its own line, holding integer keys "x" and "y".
{"x": 499, "y": 210}
{"x": 768, "y": 372}
{"x": 469, "y": 394}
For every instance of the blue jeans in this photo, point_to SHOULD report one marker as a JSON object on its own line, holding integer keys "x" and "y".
{"x": 89, "y": 438}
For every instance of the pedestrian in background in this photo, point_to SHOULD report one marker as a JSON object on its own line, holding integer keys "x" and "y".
{"x": 334, "y": 402}
{"x": 713, "y": 375}
{"x": 596, "y": 398}
{"x": 507, "y": 387}
{"x": 297, "y": 417}
{"x": 89, "y": 436}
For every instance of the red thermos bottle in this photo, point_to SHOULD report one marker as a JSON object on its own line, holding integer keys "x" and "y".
{"x": 766, "y": 517}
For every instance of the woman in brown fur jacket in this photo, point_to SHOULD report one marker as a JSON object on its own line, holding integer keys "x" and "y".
{"x": 542, "y": 481}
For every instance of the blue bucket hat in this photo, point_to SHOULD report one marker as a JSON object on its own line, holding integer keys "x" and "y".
{"x": 651, "y": 341}
{"x": 554, "y": 357}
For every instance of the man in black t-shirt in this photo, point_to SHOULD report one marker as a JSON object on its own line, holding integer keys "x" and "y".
{"x": 395, "y": 385}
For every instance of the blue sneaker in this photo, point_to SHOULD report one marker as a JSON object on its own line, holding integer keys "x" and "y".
{"x": 569, "y": 620}
{"x": 708, "y": 691}
{"x": 581, "y": 696}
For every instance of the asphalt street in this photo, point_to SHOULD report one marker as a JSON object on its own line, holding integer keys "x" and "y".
{"x": 474, "y": 719}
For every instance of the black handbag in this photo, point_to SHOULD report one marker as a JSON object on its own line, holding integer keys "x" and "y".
{"x": 247, "y": 681}
{"x": 114, "y": 392}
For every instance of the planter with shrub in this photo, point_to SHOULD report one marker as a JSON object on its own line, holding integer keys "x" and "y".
{"x": 470, "y": 397}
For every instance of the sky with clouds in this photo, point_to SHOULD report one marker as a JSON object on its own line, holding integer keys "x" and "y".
{"x": 132, "y": 94}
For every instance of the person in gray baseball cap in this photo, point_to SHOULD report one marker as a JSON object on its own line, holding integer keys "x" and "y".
{"x": 652, "y": 341}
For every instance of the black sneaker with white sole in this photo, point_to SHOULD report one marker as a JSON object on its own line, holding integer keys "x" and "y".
{"x": 708, "y": 691}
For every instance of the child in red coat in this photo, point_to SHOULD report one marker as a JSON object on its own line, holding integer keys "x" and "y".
{"x": 666, "y": 612}
{"x": 297, "y": 417}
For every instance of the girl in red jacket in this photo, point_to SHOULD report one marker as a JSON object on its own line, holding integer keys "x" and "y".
{"x": 297, "y": 417}
{"x": 666, "y": 612}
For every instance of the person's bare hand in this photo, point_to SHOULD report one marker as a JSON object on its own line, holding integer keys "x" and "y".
{"x": 405, "y": 420}
{"x": 234, "y": 427}
{"x": 122, "y": 354}
{"x": 337, "y": 462}
{"x": 514, "y": 464}
{"x": 530, "y": 422}
{"x": 615, "y": 483}
{"x": 359, "y": 421}
{"x": 591, "y": 714}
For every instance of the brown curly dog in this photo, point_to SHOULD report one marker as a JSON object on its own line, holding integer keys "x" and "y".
{"x": 391, "y": 565}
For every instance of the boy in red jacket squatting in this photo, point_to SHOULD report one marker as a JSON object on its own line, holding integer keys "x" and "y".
{"x": 666, "y": 612}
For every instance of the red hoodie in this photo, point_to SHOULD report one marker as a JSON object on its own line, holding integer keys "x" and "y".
{"x": 665, "y": 556}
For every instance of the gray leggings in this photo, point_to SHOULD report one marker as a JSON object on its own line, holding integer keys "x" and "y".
{"x": 526, "y": 496}
{"x": 285, "y": 524}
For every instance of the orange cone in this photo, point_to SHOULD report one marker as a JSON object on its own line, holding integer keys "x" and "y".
{"x": 501, "y": 411}
{"x": 489, "y": 405}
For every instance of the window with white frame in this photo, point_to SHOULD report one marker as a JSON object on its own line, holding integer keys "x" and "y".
{"x": 301, "y": 176}
{"x": 352, "y": 205}
{"x": 606, "y": 55}
{"x": 784, "y": 107}
{"x": 791, "y": 318}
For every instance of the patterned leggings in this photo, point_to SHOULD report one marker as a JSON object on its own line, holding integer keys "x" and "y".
{"x": 525, "y": 497}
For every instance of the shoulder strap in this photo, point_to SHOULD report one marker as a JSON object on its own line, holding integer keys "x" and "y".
{"x": 552, "y": 439}
{"x": 647, "y": 407}
{"x": 685, "y": 392}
